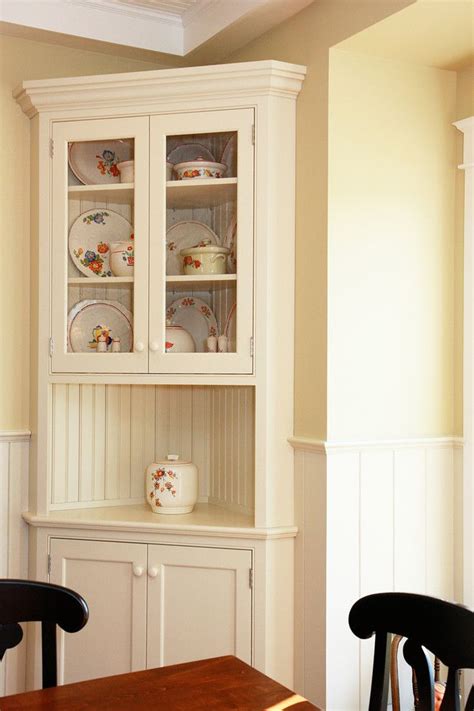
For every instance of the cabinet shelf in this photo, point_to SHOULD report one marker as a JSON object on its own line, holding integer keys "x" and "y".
{"x": 183, "y": 279}
{"x": 102, "y": 281}
{"x": 120, "y": 193}
{"x": 201, "y": 192}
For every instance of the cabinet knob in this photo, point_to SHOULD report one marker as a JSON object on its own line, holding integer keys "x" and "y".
{"x": 138, "y": 571}
{"x": 154, "y": 346}
{"x": 139, "y": 346}
{"x": 153, "y": 572}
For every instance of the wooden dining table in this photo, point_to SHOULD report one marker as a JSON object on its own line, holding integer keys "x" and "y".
{"x": 219, "y": 684}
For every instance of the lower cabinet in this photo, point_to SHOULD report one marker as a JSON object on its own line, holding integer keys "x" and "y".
{"x": 152, "y": 605}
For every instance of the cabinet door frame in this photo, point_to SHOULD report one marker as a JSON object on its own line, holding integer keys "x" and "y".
{"x": 65, "y": 132}
{"x": 242, "y": 121}
{"x": 161, "y": 556}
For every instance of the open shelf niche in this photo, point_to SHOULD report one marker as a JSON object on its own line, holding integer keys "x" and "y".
{"x": 104, "y": 437}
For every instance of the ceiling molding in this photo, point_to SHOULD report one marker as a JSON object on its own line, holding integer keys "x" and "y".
{"x": 173, "y": 27}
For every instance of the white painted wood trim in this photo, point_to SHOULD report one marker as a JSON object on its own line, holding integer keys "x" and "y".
{"x": 55, "y": 520}
{"x": 325, "y": 446}
{"x": 112, "y": 91}
{"x": 15, "y": 435}
{"x": 466, "y": 126}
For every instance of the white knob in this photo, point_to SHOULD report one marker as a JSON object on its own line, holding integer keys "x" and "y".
{"x": 154, "y": 345}
{"x": 152, "y": 572}
{"x": 139, "y": 346}
{"x": 137, "y": 571}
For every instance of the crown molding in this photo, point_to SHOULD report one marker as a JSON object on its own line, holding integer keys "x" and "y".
{"x": 158, "y": 87}
{"x": 136, "y": 11}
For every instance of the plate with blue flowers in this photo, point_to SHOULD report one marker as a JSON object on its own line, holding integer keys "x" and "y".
{"x": 95, "y": 162}
{"x": 90, "y": 237}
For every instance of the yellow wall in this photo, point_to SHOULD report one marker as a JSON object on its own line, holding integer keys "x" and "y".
{"x": 306, "y": 39}
{"x": 464, "y": 109}
{"x": 391, "y": 248}
{"x": 24, "y": 59}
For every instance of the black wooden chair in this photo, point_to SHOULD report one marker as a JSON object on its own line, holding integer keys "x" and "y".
{"x": 443, "y": 628}
{"x": 29, "y": 601}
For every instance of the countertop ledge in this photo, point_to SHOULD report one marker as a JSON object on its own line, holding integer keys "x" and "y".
{"x": 137, "y": 519}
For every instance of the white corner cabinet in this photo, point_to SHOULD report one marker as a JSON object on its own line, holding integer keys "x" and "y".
{"x": 113, "y": 388}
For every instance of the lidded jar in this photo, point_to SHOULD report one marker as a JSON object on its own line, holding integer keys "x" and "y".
{"x": 171, "y": 486}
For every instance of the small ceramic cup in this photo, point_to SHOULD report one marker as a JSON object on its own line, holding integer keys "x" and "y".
{"x": 122, "y": 258}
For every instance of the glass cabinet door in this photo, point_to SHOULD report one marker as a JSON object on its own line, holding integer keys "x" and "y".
{"x": 201, "y": 242}
{"x": 100, "y": 246}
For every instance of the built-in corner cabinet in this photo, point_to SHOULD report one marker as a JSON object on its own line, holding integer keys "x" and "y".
{"x": 162, "y": 322}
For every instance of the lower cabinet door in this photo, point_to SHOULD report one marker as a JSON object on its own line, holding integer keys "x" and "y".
{"x": 112, "y": 579}
{"x": 199, "y": 604}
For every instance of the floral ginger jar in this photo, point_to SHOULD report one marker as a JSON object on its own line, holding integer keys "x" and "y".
{"x": 171, "y": 486}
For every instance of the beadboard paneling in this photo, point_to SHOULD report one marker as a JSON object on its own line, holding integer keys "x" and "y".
{"x": 14, "y": 459}
{"x": 104, "y": 437}
{"x": 389, "y": 525}
{"x": 232, "y": 447}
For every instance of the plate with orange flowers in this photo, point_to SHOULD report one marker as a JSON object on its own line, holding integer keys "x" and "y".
{"x": 95, "y": 162}
{"x": 90, "y": 237}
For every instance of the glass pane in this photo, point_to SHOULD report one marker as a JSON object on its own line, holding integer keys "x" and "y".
{"x": 101, "y": 257}
{"x": 201, "y": 243}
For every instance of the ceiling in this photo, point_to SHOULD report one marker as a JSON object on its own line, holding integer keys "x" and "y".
{"x": 179, "y": 28}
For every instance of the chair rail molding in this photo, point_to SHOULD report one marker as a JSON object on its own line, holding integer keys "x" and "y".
{"x": 14, "y": 463}
{"x": 466, "y": 126}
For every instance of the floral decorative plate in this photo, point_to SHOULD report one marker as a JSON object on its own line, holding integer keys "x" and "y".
{"x": 90, "y": 237}
{"x": 89, "y": 319}
{"x": 182, "y": 235}
{"x": 189, "y": 151}
{"x": 95, "y": 162}
{"x": 230, "y": 330}
{"x": 196, "y": 317}
{"x": 231, "y": 243}
{"x": 229, "y": 156}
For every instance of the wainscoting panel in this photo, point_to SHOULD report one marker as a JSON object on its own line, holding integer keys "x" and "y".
{"x": 14, "y": 458}
{"x": 372, "y": 517}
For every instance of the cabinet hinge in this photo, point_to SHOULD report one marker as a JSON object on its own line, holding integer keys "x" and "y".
{"x": 51, "y": 347}
{"x": 49, "y": 564}
{"x": 250, "y": 578}
{"x": 253, "y": 135}
{"x": 51, "y": 147}
{"x": 251, "y": 346}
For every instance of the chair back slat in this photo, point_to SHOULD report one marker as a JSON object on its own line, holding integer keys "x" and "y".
{"x": 445, "y": 629}
{"x": 31, "y": 601}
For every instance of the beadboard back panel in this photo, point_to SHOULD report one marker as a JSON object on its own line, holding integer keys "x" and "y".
{"x": 372, "y": 517}
{"x": 14, "y": 459}
{"x": 104, "y": 437}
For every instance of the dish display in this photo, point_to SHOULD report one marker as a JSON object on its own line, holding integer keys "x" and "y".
{"x": 196, "y": 317}
{"x": 90, "y": 237}
{"x": 189, "y": 151}
{"x": 91, "y": 318}
{"x": 230, "y": 242}
{"x": 229, "y": 156}
{"x": 188, "y": 233}
{"x": 230, "y": 329}
{"x": 95, "y": 162}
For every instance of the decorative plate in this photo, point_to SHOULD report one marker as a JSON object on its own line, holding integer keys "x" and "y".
{"x": 196, "y": 317}
{"x": 89, "y": 319}
{"x": 230, "y": 329}
{"x": 95, "y": 162}
{"x": 90, "y": 237}
{"x": 229, "y": 156}
{"x": 189, "y": 151}
{"x": 183, "y": 235}
{"x": 230, "y": 242}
